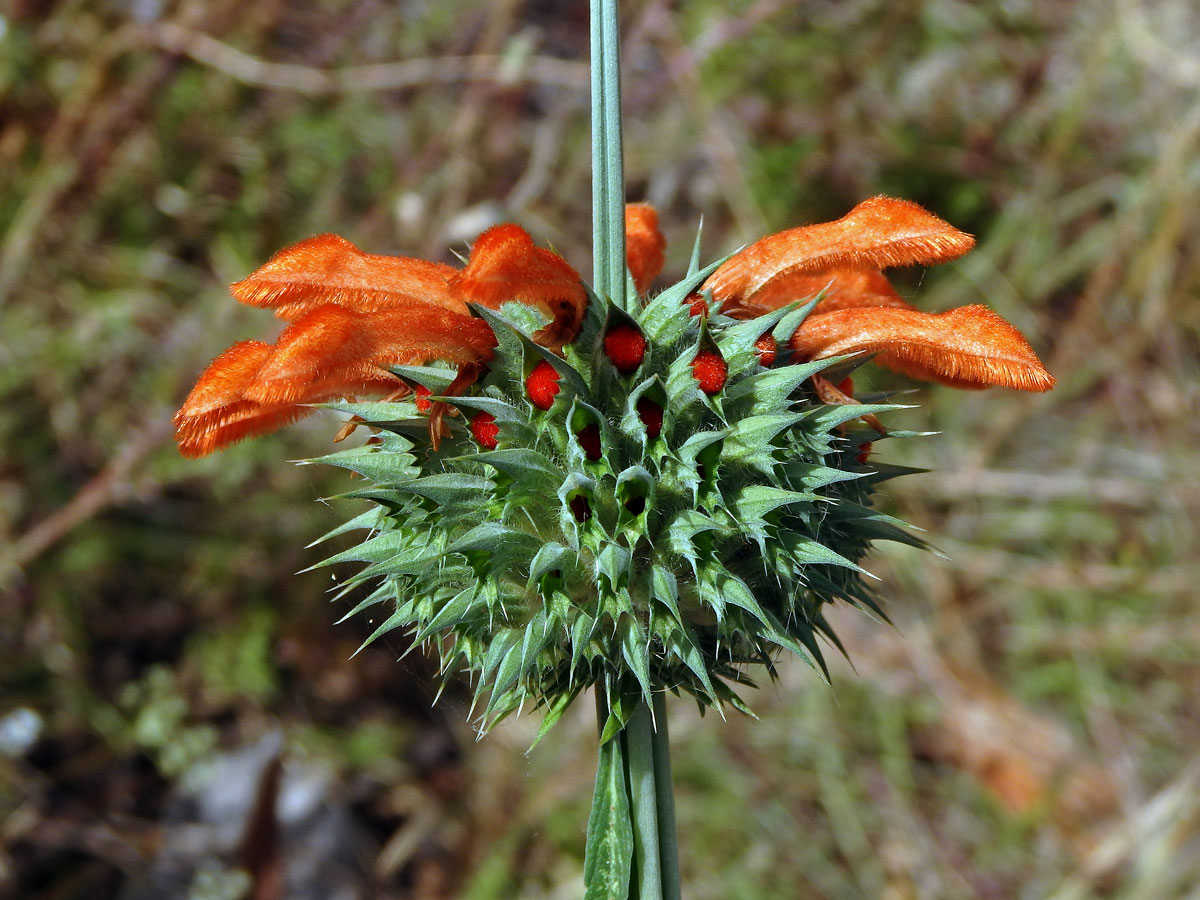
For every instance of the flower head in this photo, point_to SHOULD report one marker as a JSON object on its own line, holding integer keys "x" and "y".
{"x": 626, "y": 495}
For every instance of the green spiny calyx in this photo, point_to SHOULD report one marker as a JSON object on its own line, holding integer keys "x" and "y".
{"x": 654, "y": 509}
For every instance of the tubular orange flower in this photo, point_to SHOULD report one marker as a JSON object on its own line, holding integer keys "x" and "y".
{"x": 878, "y": 233}
{"x": 354, "y": 314}
{"x": 330, "y": 269}
{"x": 505, "y": 266}
{"x": 967, "y": 347}
{"x": 645, "y": 245}
{"x": 333, "y": 346}
{"x": 838, "y": 289}
{"x": 858, "y": 311}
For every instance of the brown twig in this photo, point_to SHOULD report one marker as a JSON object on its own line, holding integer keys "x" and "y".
{"x": 105, "y": 488}
{"x": 409, "y": 73}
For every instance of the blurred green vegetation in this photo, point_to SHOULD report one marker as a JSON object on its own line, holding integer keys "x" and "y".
{"x": 1030, "y": 727}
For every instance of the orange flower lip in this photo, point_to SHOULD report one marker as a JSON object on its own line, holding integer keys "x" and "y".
{"x": 966, "y": 347}
{"x": 878, "y": 233}
{"x": 330, "y": 269}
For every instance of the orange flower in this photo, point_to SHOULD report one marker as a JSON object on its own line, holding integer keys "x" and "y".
{"x": 644, "y": 244}
{"x": 353, "y": 314}
{"x": 859, "y": 312}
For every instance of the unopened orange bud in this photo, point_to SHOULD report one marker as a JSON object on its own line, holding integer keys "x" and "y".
{"x": 422, "y": 398}
{"x": 485, "y": 430}
{"x": 710, "y": 371}
{"x": 766, "y": 348}
{"x": 542, "y": 385}
{"x": 626, "y": 347}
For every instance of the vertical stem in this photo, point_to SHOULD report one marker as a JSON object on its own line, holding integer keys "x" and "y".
{"x": 608, "y": 174}
{"x": 668, "y": 842}
{"x": 643, "y": 791}
{"x": 609, "y": 855}
{"x": 640, "y": 750}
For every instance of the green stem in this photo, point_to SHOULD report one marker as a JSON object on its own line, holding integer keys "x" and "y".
{"x": 632, "y": 850}
{"x": 668, "y": 842}
{"x": 643, "y": 791}
{"x": 608, "y": 174}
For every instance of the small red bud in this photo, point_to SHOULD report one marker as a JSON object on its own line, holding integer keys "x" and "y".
{"x": 766, "y": 348}
{"x": 542, "y": 384}
{"x": 696, "y": 305}
{"x": 651, "y": 415}
{"x": 485, "y": 430}
{"x": 421, "y": 399}
{"x": 626, "y": 347}
{"x": 589, "y": 439}
{"x": 864, "y": 452}
{"x": 710, "y": 370}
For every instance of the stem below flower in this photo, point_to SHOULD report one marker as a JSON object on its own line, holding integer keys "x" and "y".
{"x": 668, "y": 846}
{"x": 632, "y": 823}
{"x": 639, "y": 738}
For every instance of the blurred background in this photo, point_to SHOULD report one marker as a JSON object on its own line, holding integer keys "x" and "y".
{"x": 179, "y": 714}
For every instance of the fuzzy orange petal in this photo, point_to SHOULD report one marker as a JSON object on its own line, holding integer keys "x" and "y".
{"x": 331, "y": 349}
{"x": 645, "y": 246}
{"x": 329, "y": 269}
{"x": 216, "y": 413}
{"x": 877, "y": 234}
{"x": 966, "y": 347}
{"x": 223, "y": 382}
{"x": 239, "y": 420}
{"x": 505, "y": 266}
{"x": 840, "y": 289}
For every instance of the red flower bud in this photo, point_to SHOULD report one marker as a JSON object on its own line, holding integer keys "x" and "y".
{"x": 651, "y": 415}
{"x": 542, "y": 384}
{"x": 710, "y": 370}
{"x": 766, "y": 347}
{"x": 696, "y": 305}
{"x": 626, "y": 347}
{"x": 485, "y": 430}
{"x": 421, "y": 399}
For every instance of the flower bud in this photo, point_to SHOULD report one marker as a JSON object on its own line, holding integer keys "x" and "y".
{"x": 542, "y": 385}
{"x": 710, "y": 371}
{"x": 626, "y": 347}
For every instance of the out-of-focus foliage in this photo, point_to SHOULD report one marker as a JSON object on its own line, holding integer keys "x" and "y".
{"x": 1029, "y": 730}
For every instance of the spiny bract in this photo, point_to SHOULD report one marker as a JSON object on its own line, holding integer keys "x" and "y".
{"x": 595, "y": 546}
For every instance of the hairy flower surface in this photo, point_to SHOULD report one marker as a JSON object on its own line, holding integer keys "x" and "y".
{"x": 354, "y": 314}
{"x": 659, "y": 492}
